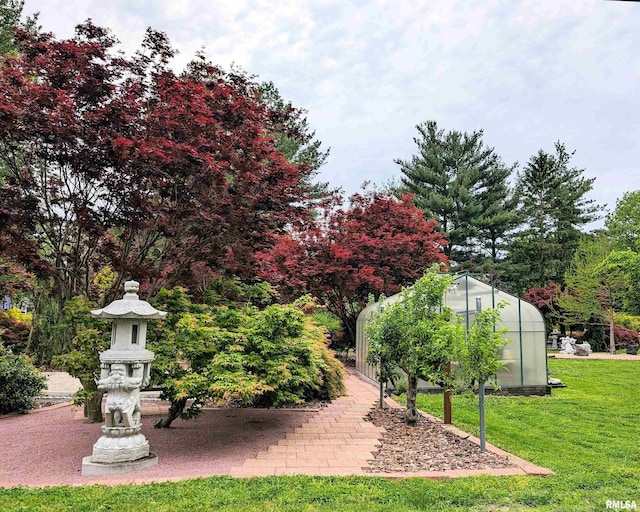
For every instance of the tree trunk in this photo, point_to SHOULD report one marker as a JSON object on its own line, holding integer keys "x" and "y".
{"x": 612, "y": 337}
{"x": 177, "y": 406}
{"x": 93, "y": 402}
{"x": 411, "y": 416}
{"x": 350, "y": 324}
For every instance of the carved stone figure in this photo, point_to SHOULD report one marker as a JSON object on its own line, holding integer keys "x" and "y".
{"x": 122, "y": 406}
{"x": 583, "y": 349}
{"x": 567, "y": 345}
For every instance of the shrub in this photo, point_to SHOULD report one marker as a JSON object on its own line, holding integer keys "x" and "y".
{"x": 629, "y": 321}
{"x": 15, "y": 327}
{"x": 20, "y": 383}
{"x": 90, "y": 337}
{"x": 624, "y": 337}
{"x": 597, "y": 338}
{"x": 232, "y": 351}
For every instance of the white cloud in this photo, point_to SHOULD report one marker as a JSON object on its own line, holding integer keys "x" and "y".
{"x": 527, "y": 71}
{"x": 176, "y": 9}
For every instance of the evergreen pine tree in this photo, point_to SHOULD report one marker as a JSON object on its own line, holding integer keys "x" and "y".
{"x": 295, "y": 138}
{"x": 462, "y": 184}
{"x": 499, "y": 215}
{"x": 554, "y": 208}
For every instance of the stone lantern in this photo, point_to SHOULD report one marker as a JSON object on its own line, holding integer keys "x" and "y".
{"x": 125, "y": 369}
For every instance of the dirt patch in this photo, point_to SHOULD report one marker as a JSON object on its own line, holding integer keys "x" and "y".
{"x": 425, "y": 447}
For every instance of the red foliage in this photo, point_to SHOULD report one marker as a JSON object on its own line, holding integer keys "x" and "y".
{"x": 375, "y": 246}
{"x": 13, "y": 279}
{"x": 544, "y": 298}
{"x": 121, "y": 161}
{"x": 623, "y": 336}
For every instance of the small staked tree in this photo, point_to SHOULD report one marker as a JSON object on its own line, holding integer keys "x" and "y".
{"x": 416, "y": 332}
{"x": 479, "y": 356}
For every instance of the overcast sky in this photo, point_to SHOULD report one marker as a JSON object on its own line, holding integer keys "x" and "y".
{"x": 526, "y": 72}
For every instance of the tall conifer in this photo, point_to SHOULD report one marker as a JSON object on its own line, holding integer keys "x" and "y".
{"x": 462, "y": 184}
{"x": 554, "y": 207}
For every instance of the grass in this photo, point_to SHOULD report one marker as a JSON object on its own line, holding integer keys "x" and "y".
{"x": 587, "y": 434}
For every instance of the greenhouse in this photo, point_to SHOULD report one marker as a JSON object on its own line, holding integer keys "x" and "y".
{"x": 525, "y": 356}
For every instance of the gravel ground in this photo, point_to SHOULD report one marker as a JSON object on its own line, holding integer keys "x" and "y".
{"x": 595, "y": 355}
{"x": 47, "y": 447}
{"x": 425, "y": 447}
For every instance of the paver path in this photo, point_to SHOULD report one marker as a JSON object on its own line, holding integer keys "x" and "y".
{"x": 335, "y": 441}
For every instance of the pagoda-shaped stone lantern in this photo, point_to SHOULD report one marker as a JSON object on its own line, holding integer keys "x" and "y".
{"x": 125, "y": 369}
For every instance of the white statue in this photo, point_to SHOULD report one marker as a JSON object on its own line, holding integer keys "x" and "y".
{"x": 567, "y": 344}
{"x": 583, "y": 349}
{"x": 122, "y": 406}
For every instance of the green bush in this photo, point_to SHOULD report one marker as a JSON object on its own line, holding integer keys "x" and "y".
{"x": 631, "y": 322}
{"x": 14, "y": 329}
{"x": 231, "y": 351}
{"x": 90, "y": 336}
{"x": 20, "y": 383}
{"x": 597, "y": 338}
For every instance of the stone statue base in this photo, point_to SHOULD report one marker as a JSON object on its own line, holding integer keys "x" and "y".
{"x": 116, "y": 468}
{"x": 127, "y": 448}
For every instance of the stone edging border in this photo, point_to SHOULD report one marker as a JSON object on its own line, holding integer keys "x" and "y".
{"x": 37, "y": 409}
{"x": 522, "y": 467}
{"x": 50, "y": 407}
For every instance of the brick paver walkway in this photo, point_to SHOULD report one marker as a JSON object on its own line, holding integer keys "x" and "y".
{"x": 335, "y": 441}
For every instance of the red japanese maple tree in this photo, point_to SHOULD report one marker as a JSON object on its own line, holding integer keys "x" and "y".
{"x": 119, "y": 160}
{"x": 546, "y": 300}
{"x": 374, "y": 246}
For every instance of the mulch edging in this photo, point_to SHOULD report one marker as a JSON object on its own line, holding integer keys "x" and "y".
{"x": 426, "y": 446}
{"x": 514, "y": 465}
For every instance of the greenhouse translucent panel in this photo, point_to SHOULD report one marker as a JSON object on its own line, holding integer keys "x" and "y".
{"x": 510, "y": 375}
{"x": 524, "y": 356}
{"x": 534, "y": 359}
{"x": 362, "y": 345}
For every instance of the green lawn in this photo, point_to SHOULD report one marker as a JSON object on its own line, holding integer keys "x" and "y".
{"x": 588, "y": 434}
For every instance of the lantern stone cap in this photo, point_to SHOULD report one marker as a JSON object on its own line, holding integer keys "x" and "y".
{"x": 129, "y": 306}
{"x": 112, "y": 356}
